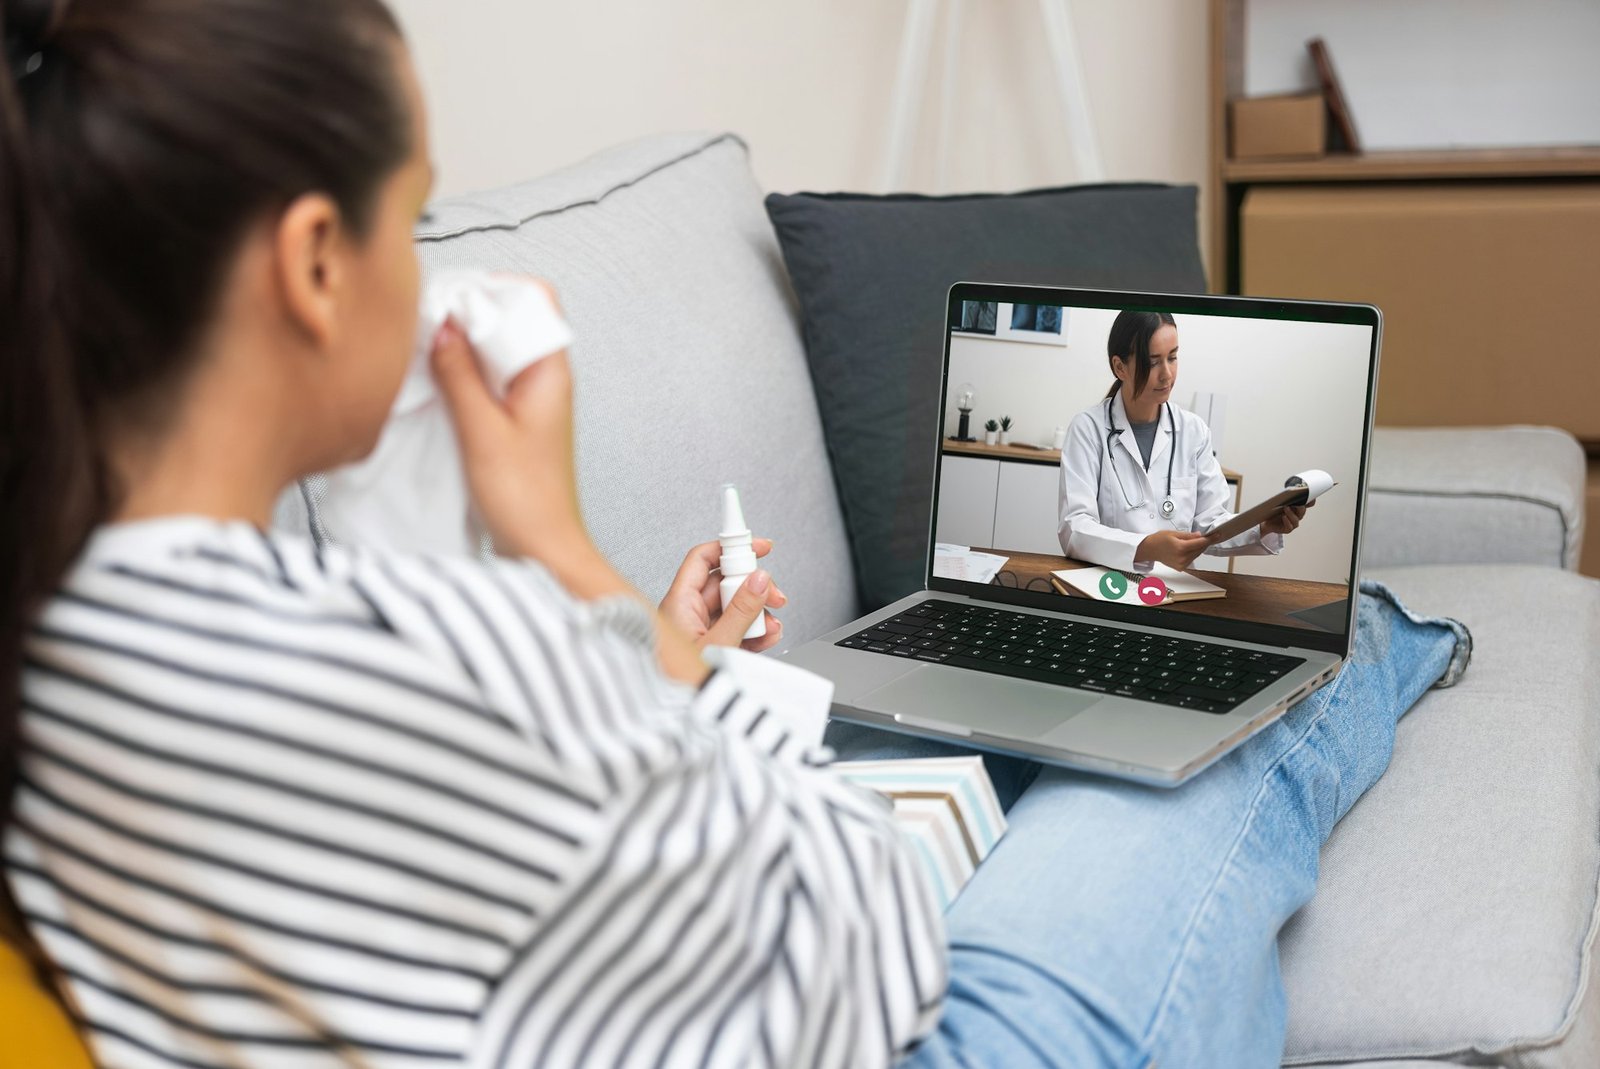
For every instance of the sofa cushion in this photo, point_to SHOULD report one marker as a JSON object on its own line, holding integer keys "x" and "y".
{"x": 872, "y": 273}
{"x": 1455, "y": 917}
{"x": 1472, "y": 495}
{"x": 688, "y": 365}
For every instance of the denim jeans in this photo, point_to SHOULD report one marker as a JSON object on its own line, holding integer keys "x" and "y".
{"x": 1129, "y": 926}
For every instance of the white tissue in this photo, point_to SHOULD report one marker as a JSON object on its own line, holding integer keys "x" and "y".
{"x": 510, "y": 321}
{"x": 410, "y": 493}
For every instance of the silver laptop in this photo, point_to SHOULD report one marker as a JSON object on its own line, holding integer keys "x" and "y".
{"x": 1037, "y": 630}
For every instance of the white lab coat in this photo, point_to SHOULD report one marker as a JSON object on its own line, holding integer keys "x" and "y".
{"x": 1096, "y": 523}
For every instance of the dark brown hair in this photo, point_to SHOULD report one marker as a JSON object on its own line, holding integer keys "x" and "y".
{"x": 139, "y": 140}
{"x": 1130, "y": 339}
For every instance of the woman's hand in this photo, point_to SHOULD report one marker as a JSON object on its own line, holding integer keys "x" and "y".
{"x": 1175, "y": 549}
{"x": 517, "y": 452}
{"x": 1285, "y": 519}
{"x": 694, "y": 601}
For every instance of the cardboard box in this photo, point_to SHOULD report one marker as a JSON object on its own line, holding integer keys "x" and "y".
{"x": 1589, "y": 557}
{"x": 1486, "y": 290}
{"x": 1277, "y": 127}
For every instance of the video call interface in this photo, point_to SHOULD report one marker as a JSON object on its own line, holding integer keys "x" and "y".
{"x": 1168, "y": 461}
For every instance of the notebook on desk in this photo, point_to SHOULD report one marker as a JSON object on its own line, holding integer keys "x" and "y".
{"x": 1154, "y": 693}
{"x": 1110, "y": 584}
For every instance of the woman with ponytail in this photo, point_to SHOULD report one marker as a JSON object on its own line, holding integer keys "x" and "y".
{"x": 270, "y": 804}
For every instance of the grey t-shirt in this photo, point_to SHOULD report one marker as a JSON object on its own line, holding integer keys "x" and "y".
{"x": 1145, "y": 435}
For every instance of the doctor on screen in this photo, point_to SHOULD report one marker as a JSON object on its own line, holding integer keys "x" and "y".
{"x": 1139, "y": 483}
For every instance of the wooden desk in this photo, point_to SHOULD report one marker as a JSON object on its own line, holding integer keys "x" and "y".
{"x": 1256, "y": 598}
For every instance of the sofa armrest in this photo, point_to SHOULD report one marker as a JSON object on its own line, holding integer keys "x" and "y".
{"x": 1474, "y": 495}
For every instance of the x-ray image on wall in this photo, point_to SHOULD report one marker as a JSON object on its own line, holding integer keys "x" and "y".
{"x": 975, "y": 317}
{"x": 1041, "y": 318}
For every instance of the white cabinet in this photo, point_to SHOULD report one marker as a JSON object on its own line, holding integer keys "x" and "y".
{"x": 967, "y": 487}
{"x": 997, "y": 504}
{"x": 1011, "y": 501}
{"x": 1025, "y": 508}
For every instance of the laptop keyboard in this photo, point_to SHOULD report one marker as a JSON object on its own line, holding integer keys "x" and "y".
{"x": 1075, "y": 653}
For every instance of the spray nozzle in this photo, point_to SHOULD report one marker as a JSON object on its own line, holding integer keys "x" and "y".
{"x": 733, "y": 525}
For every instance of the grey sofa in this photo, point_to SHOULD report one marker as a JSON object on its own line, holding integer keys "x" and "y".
{"x": 1456, "y": 919}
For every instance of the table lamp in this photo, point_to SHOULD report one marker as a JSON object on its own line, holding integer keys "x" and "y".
{"x": 964, "y": 398}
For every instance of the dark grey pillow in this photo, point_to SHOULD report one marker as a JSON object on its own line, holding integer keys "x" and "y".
{"x": 871, "y": 275}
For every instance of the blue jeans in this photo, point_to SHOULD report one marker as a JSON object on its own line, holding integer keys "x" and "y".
{"x": 1121, "y": 925}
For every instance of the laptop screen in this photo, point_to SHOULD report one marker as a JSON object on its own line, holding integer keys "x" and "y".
{"x": 1193, "y": 462}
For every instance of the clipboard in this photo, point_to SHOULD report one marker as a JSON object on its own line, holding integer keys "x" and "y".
{"x": 1301, "y": 489}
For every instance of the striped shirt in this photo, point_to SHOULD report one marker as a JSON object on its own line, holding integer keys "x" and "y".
{"x": 301, "y": 808}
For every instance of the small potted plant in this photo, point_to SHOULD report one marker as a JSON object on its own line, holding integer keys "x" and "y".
{"x": 990, "y": 429}
{"x": 1005, "y": 430}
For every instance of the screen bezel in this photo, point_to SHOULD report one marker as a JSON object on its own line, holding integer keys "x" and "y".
{"x": 1366, "y": 315}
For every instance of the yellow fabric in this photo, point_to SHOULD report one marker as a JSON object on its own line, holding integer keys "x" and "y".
{"x": 34, "y": 1032}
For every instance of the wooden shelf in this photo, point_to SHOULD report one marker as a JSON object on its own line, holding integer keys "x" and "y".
{"x": 1026, "y": 455}
{"x": 1531, "y": 162}
{"x": 1023, "y": 453}
{"x": 1231, "y": 179}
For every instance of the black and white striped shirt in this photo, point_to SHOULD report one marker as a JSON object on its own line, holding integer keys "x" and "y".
{"x": 298, "y": 809}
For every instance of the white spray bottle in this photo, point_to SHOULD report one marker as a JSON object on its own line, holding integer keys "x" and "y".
{"x": 738, "y": 555}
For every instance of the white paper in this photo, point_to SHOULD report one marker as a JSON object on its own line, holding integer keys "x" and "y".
{"x": 951, "y": 561}
{"x": 799, "y": 699}
{"x": 1316, "y": 481}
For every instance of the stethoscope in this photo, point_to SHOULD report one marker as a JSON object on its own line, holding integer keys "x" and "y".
{"x": 1167, "y": 507}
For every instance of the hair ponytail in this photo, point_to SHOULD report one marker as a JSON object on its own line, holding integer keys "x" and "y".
{"x": 49, "y": 482}
{"x": 139, "y": 140}
{"x": 50, "y": 486}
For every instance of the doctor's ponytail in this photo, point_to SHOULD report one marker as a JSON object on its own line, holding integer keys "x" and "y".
{"x": 1130, "y": 339}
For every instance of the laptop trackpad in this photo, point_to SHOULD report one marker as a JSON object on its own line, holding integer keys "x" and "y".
{"x": 993, "y": 705}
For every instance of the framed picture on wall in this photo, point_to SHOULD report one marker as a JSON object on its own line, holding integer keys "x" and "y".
{"x": 1042, "y": 324}
{"x": 975, "y": 317}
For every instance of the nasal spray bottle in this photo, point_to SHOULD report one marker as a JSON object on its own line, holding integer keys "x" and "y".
{"x": 738, "y": 555}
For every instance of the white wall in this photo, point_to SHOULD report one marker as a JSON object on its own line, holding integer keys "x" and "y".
{"x": 1441, "y": 73}
{"x": 1295, "y": 400}
{"x": 518, "y": 89}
